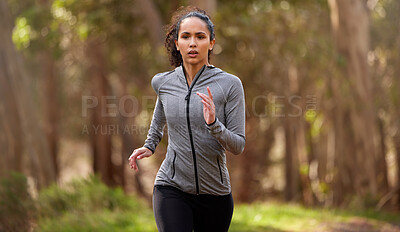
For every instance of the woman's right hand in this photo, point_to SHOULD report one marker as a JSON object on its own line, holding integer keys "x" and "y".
{"x": 138, "y": 153}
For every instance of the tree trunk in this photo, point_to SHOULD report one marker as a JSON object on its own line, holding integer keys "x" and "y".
{"x": 51, "y": 107}
{"x": 127, "y": 114}
{"x": 20, "y": 117}
{"x": 210, "y": 6}
{"x": 10, "y": 125}
{"x": 253, "y": 163}
{"x": 382, "y": 171}
{"x": 350, "y": 23}
{"x": 304, "y": 163}
{"x": 152, "y": 21}
{"x": 10, "y": 122}
{"x": 50, "y": 100}
{"x": 101, "y": 127}
{"x": 396, "y": 140}
{"x": 296, "y": 156}
{"x": 291, "y": 163}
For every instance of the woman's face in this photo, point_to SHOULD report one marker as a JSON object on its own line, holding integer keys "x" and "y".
{"x": 194, "y": 41}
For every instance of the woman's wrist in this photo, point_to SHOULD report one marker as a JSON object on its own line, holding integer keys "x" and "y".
{"x": 149, "y": 149}
{"x": 210, "y": 124}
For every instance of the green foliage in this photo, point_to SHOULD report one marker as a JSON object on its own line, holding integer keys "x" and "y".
{"x": 316, "y": 121}
{"x": 22, "y": 33}
{"x": 81, "y": 196}
{"x": 17, "y": 208}
{"x": 89, "y": 205}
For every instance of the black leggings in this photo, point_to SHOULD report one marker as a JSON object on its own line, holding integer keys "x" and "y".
{"x": 177, "y": 211}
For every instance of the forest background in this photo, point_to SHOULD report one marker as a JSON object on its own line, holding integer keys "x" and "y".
{"x": 321, "y": 79}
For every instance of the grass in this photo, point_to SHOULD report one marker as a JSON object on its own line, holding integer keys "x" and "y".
{"x": 89, "y": 205}
{"x": 273, "y": 217}
{"x": 276, "y": 217}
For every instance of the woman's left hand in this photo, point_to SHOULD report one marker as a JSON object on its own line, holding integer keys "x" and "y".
{"x": 208, "y": 106}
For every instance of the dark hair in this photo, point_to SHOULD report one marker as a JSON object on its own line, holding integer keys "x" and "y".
{"x": 172, "y": 31}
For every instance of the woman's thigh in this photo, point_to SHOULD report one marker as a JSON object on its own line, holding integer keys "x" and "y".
{"x": 213, "y": 213}
{"x": 171, "y": 211}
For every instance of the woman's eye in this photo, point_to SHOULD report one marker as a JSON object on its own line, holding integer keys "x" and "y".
{"x": 184, "y": 36}
{"x": 201, "y": 37}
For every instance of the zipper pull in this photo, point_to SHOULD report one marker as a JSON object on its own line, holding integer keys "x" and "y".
{"x": 187, "y": 96}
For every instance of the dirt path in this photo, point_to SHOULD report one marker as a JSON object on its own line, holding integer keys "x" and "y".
{"x": 362, "y": 225}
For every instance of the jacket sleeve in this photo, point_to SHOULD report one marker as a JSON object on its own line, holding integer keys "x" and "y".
{"x": 157, "y": 125}
{"x": 232, "y": 134}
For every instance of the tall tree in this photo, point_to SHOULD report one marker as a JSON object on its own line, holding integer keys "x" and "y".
{"x": 153, "y": 22}
{"x": 51, "y": 107}
{"x": 355, "y": 121}
{"x": 50, "y": 99}
{"x": 396, "y": 78}
{"x": 101, "y": 124}
{"x": 27, "y": 139}
{"x": 296, "y": 155}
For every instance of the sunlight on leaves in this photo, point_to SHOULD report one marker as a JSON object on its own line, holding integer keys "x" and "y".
{"x": 22, "y": 33}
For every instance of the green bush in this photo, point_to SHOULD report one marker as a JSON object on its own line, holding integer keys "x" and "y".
{"x": 82, "y": 196}
{"x": 89, "y": 205}
{"x": 17, "y": 208}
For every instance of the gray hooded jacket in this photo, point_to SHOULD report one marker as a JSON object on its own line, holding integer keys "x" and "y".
{"x": 196, "y": 161}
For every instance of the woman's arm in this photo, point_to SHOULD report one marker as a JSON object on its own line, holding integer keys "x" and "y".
{"x": 157, "y": 125}
{"x": 154, "y": 136}
{"x": 231, "y": 136}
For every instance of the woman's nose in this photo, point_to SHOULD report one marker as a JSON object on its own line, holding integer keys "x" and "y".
{"x": 192, "y": 42}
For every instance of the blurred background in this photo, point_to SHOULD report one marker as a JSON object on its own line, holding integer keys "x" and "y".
{"x": 321, "y": 79}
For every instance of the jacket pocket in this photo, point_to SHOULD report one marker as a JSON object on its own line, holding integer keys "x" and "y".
{"x": 220, "y": 171}
{"x": 173, "y": 166}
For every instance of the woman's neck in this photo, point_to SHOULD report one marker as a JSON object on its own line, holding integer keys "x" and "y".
{"x": 191, "y": 71}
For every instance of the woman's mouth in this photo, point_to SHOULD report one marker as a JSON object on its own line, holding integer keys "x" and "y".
{"x": 193, "y": 54}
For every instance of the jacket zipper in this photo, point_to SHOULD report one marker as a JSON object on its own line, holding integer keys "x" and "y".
{"x": 187, "y": 98}
{"x": 220, "y": 171}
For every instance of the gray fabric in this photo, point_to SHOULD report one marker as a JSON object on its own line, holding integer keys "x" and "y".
{"x": 210, "y": 141}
